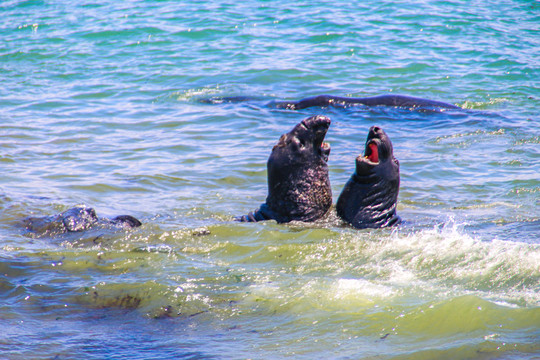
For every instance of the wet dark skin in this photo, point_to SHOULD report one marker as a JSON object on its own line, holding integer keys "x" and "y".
{"x": 400, "y": 101}
{"x": 76, "y": 219}
{"x": 298, "y": 181}
{"x": 369, "y": 198}
{"x": 381, "y": 100}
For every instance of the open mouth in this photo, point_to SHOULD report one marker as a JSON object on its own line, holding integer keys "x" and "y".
{"x": 324, "y": 150}
{"x": 318, "y": 126}
{"x": 372, "y": 152}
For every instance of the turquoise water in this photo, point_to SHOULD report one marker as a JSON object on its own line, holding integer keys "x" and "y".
{"x": 100, "y": 105}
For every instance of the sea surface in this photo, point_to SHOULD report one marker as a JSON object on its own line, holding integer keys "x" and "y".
{"x": 104, "y": 104}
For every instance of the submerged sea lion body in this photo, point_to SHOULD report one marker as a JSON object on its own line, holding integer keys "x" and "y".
{"x": 369, "y": 198}
{"x": 298, "y": 181}
{"x": 381, "y": 100}
{"x": 76, "y": 219}
{"x": 402, "y": 101}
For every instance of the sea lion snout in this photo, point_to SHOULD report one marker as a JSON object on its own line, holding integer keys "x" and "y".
{"x": 377, "y": 136}
{"x": 317, "y": 125}
{"x": 375, "y": 130}
{"x": 314, "y": 130}
{"x": 317, "y": 121}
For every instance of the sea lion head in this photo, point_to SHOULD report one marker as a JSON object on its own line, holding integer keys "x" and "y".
{"x": 369, "y": 198}
{"x": 305, "y": 140}
{"x": 378, "y": 156}
{"x": 298, "y": 181}
{"x": 79, "y": 218}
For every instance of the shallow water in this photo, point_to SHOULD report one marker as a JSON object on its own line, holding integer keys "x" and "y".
{"x": 100, "y": 105}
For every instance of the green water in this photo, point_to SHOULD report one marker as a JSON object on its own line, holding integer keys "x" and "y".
{"x": 99, "y": 105}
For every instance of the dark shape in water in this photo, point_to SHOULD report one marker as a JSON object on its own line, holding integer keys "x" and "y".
{"x": 298, "y": 181}
{"x": 401, "y": 101}
{"x": 79, "y": 218}
{"x": 381, "y": 100}
{"x": 369, "y": 198}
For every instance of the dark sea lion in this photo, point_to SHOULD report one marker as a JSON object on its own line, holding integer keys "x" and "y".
{"x": 298, "y": 181}
{"x": 401, "y": 101}
{"x": 369, "y": 198}
{"x": 76, "y": 219}
{"x": 381, "y": 100}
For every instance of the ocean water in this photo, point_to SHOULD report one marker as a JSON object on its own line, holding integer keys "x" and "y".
{"x": 100, "y": 104}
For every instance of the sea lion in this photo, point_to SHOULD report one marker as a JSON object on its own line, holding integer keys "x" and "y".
{"x": 369, "y": 198}
{"x": 402, "y": 101}
{"x": 381, "y": 100}
{"x": 298, "y": 181}
{"x": 76, "y": 219}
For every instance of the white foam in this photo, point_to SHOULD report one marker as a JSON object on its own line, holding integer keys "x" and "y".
{"x": 363, "y": 269}
{"x": 360, "y": 288}
{"x": 447, "y": 258}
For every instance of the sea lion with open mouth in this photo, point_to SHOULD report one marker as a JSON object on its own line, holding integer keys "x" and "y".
{"x": 298, "y": 181}
{"x": 369, "y": 198}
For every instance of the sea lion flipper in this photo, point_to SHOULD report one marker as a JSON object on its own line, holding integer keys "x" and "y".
{"x": 258, "y": 215}
{"x": 245, "y": 218}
